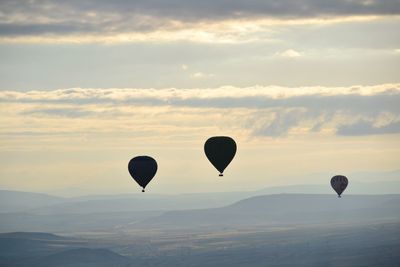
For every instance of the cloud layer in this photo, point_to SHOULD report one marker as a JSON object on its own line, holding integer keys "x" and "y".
{"x": 259, "y": 111}
{"x": 365, "y": 127}
{"x": 148, "y": 20}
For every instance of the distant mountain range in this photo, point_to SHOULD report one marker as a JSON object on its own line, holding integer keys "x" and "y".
{"x": 279, "y": 229}
{"x": 354, "y": 188}
{"x": 286, "y": 209}
{"x": 36, "y": 203}
{"x": 15, "y": 201}
{"x": 237, "y": 208}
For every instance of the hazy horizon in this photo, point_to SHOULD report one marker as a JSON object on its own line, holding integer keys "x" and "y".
{"x": 372, "y": 186}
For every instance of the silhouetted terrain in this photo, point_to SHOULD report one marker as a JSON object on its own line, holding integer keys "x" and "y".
{"x": 267, "y": 230}
{"x": 81, "y": 257}
{"x": 361, "y": 245}
{"x": 282, "y": 209}
{"x": 14, "y": 201}
{"x": 287, "y": 209}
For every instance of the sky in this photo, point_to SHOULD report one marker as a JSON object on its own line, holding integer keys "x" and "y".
{"x": 308, "y": 89}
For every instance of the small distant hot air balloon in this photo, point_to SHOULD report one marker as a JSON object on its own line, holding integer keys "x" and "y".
{"x": 220, "y": 151}
{"x": 339, "y": 183}
{"x": 142, "y": 169}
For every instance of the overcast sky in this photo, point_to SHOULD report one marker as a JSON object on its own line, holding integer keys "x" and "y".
{"x": 304, "y": 87}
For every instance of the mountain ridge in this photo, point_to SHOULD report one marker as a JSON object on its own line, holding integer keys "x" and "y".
{"x": 285, "y": 209}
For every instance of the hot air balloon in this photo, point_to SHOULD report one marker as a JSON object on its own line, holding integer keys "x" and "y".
{"x": 142, "y": 169}
{"x": 220, "y": 151}
{"x": 339, "y": 183}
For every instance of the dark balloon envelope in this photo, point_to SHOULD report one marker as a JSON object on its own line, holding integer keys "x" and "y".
{"x": 339, "y": 183}
{"x": 220, "y": 150}
{"x": 142, "y": 169}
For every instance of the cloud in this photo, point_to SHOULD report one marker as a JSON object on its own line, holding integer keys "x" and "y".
{"x": 282, "y": 122}
{"x": 119, "y": 21}
{"x": 258, "y": 111}
{"x": 59, "y": 111}
{"x": 290, "y": 53}
{"x": 201, "y": 75}
{"x": 364, "y": 127}
{"x": 385, "y": 96}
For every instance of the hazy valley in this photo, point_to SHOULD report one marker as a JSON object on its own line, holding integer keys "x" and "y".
{"x": 236, "y": 229}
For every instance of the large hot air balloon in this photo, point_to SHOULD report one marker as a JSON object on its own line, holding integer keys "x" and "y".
{"x": 142, "y": 169}
{"x": 339, "y": 183}
{"x": 220, "y": 151}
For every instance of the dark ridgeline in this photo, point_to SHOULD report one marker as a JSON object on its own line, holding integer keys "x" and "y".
{"x": 267, "y": 230}
{"x": 346, "y": 245}
{"x": 285, "y": 210}
{"x": 87, "y": 257}
{"x": 107, "y": 213}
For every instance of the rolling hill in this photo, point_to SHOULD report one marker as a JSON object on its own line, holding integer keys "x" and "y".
{"x": 286, "y": 209}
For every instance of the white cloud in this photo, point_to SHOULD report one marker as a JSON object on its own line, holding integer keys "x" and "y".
{"x": 289, "y": 53}
{"x": 266, "y": 111}
{"x": 169, "y": 95}
{"x": 201, "y": 75}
